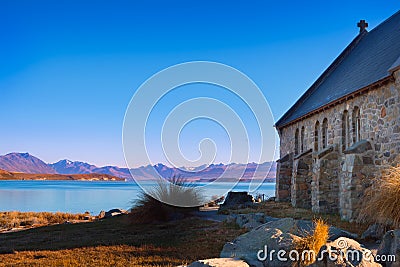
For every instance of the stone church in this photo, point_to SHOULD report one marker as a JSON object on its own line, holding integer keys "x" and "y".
{"x": 345, "y": 128}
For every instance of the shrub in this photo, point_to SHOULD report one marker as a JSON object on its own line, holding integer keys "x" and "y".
{"x": 312, "y": 242}
{"x": 156, "y": 207}
{"x": 381, "y": 201}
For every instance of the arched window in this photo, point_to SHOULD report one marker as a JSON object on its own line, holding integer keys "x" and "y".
{"x": 316, "y": 136}
{"x": 345, "y": 130}
{"x": 303, "y": 145}
{"x": 296, "y": 142}
{"x": 355, "y": 122}
{"x": 325, "y": 133}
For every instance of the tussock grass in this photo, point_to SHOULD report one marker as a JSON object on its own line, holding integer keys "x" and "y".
{"x": 156, "y": 207}
{"x": 381, "y": 201}
{"x": 312, "y": 242}
{"x": 13, "y": 219}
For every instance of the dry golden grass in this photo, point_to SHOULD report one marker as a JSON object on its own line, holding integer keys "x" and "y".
{"x": 121, "y": 255}
{"x": 381, "y": 201}
{"x": 13, "y": 219}
{"x": 116, "y": 242}
{"x": 311, "y": 242}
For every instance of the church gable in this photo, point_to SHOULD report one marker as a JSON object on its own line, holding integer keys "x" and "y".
{"x": 369, "y": 59}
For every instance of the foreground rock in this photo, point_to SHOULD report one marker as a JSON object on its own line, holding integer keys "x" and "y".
{"x": 345, "y": 252}
{"x": 275, "y": 235}
{"x": 390, "y": 246}
{"x": 249, "y": 244}
{"x": 219, "y": 262}
{"x": 298, "y": 227}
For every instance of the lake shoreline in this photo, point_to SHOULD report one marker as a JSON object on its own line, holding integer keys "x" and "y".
{"x": 92, "y": 196}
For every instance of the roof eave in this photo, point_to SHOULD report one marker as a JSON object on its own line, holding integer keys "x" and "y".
{"x": 375, "y": 85}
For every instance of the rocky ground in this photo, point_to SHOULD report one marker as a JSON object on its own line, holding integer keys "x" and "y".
{"x": 276, "y": 226}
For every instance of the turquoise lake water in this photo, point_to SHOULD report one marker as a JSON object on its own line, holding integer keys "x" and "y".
{"x": 81, "y": 196}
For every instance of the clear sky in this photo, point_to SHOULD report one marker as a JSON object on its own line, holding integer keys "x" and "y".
{"x": 69, "y": 68}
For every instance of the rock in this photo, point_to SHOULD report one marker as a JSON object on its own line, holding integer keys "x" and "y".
{"x": 253, "y": 218}
{"x": 248, "y": 245}
{"x": 237, "y": 200}
{"x": 335, "y": 233}
{"x": 114, "y": 212}
{"x": 242, "y": 219}
{"x": 302, "y": 227}
{"x": 102, "y": 214}
{"x": 250, "y": 221}
{"x": 344, "y": 252}
{"x": 286, "y": 225}
{"x": 231, "y": 218}
{"x": 374, "y": 232}
{"x": 251, "y": 225}
{"x": 268, "y": 219}
{"x": 390, "y": 246}
{"x": 297, "y": 227}
{"x": 219, "y": 262}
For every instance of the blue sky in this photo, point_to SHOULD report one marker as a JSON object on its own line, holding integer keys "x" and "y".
{"x": 68, "y": 69}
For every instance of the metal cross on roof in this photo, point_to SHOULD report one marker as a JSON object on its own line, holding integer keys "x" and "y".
{"x": 362, "y": 25}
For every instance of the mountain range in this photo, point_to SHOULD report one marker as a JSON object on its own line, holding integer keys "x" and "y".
{"x": 26, "y": 163}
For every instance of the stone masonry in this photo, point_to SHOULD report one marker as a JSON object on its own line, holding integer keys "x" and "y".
{"x": 343, "y": 147}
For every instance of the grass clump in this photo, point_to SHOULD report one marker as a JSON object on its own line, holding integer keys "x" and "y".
{"x": 381, "y": 201}
{"x": 168, "y": 200}
{"x": 309, "y": 245}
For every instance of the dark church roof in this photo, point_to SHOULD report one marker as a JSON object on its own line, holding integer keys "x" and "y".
{"x": 368, "y": 59}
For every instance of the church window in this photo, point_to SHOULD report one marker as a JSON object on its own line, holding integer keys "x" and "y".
{"x": 345, "y": 130}
{"x": 303, "y": 145}
{"x": 316, "y": 135}
{"x": 324, "y": 133}
{"x": 356, "y": 125}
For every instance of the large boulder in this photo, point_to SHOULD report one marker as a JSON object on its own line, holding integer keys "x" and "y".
{"x": 275, "y": 235}
{"x": 344, "y": 252}
{"x": 298, "y": 227}
{"x": 304, "y": 227}
{"x": 389, "y": 248}
{"x": 264, "y": 238}
{"x": 219, "y": 262}
{"x": 237, "y": 200}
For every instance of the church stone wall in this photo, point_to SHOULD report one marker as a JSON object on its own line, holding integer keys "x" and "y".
{"x": 379, "y": 111}
{"x": 301, "y": 181}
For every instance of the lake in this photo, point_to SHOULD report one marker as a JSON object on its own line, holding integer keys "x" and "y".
{"x": 81, "y": 196}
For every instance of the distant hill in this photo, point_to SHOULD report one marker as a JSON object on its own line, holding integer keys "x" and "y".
{"x": 24, "y": 162}
{"x": 233, "y": 170}
{"x": 73, "y": 167}
{"x": 5, "y": 175}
